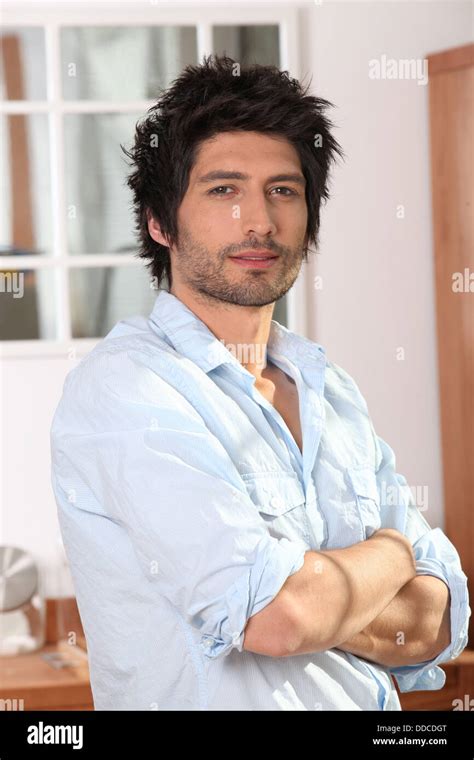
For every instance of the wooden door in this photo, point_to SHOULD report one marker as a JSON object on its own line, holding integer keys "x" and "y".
{"x": 451, "y": 95}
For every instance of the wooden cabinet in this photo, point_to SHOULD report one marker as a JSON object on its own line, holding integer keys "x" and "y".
{"x": 30, "y": 682}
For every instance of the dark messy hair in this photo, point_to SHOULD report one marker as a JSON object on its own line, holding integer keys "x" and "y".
{"x": 219, "y": 96}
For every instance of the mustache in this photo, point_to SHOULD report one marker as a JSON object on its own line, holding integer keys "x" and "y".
{"x": 235, "y": 249}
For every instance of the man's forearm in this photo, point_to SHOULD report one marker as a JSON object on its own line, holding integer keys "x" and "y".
{"x": 338, "y": 592}
{"x": 413, "y": 628}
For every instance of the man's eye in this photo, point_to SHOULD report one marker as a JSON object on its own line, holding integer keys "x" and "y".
{"x": 221, "y": 187}
{"x": 288, "y": 190}
{"x": 221, "y": 190}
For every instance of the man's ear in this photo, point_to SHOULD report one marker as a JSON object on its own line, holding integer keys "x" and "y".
{"x": 155, "y": 230}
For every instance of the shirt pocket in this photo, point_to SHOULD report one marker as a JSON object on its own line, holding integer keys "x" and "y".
{"x": 280, "y": 500}
{"x": 363, "y": 481}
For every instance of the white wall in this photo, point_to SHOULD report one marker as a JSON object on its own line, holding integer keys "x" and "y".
{"x": 29, "y": 392}
{"x": 377, "y": 271}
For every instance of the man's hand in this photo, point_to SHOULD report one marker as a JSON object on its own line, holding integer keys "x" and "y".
{"x": 413, "y": 628}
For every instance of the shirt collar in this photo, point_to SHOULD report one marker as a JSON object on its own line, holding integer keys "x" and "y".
{"x": 192, "y": 338}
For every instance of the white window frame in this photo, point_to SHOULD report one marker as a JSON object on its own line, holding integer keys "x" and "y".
{"x": 53, "y": 16}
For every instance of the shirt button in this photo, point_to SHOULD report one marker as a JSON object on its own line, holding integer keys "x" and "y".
{"x": 276, "y": 501}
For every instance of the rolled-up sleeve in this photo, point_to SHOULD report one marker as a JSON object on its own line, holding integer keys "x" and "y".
{"x": 275, "y": 561}
{"x": 435, "y": 555}
{"x": 155, "y": 469}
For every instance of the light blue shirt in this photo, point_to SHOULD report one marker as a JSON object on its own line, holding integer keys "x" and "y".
{"x": 185, "y": 504}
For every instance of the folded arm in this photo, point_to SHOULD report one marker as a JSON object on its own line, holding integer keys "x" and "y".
{"x": 370, "y": 600}
{"x": 413, "y": 628}
{"x": 336, "y": 594}
{"x": 431, "y": 613}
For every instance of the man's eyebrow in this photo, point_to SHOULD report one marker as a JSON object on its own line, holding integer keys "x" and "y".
{"x": 218, "y": 174}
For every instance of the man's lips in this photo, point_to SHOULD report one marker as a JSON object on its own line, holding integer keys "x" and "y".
{"x": 255, "y": 255}
{"x": 255, "y": 259}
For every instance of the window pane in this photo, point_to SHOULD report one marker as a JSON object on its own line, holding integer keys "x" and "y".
{"x": 25, "y": 211}
{"x": 123, "y": 62}
{"x": 27, "y": 305}
{"x": 99, "y": 214}
{"x": 248, "y": 44}
{"x": 23, "y": 63}
{"x": 101, "y": 296}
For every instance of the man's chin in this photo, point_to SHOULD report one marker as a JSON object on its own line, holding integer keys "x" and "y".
{"x": 253, "y": 300}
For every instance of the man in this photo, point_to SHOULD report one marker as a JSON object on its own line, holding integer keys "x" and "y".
{"x": 238, "y": 536}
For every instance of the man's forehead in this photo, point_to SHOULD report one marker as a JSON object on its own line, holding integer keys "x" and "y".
{"x": 237, "y": 138}
{"x": 227, "y": 149}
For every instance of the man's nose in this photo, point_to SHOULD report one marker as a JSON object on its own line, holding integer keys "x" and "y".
{"x": 256, "y": 218}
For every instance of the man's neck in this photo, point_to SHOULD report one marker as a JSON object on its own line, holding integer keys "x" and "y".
{"x": 244, "y": 330}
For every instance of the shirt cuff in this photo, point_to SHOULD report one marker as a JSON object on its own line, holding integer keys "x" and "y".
{"x": 256, "y": 588}
{"x": 435, "y": 555}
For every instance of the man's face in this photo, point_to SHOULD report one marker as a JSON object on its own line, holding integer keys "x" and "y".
{"x": 246, "y": 193}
